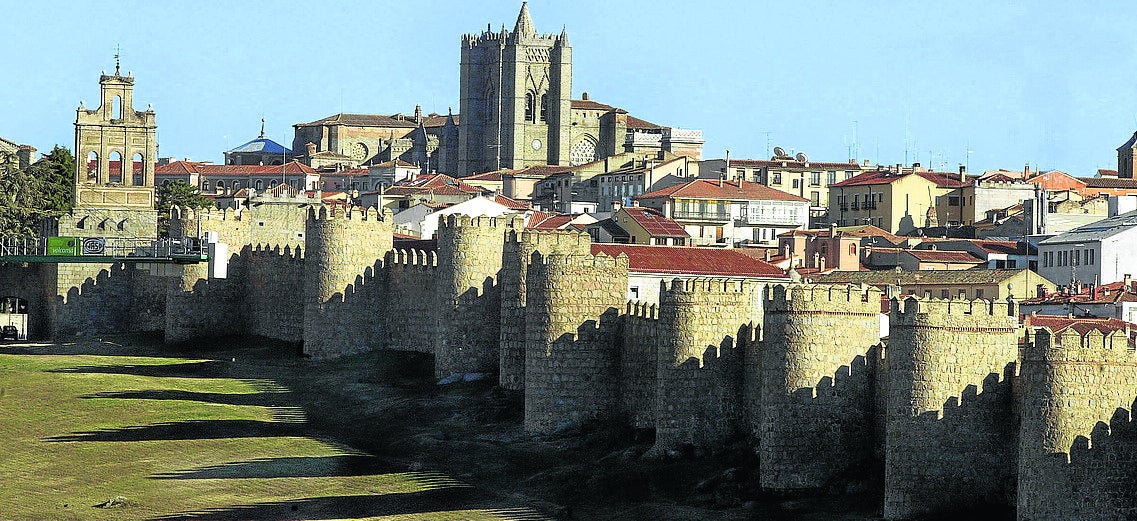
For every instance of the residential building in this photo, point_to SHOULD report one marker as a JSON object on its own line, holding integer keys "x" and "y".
{"x": 421, "y": 220}
{"x": 648, "y": 226}
{"x": 898, "y": 200}
{"x": 1096, "y": 253}
{"x": 729, "y": 213}
{"x": 438, "y": 189}
{"x": 1114, "y": 300}
{"x": 650, "y": 266}
{"x": 211, "y": 179}
{"x": 834, "y": 247}
{"x": 798, "y": 176}
{"x": 962, "y": 284}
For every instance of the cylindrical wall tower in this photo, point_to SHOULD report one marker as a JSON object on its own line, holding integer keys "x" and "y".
{"x": 1070, "y": 383}
{"x": 699, "y": 360}
{"x": 468, "y": 320}
{"x": 571, "y": 325}
{"x": 519, "y": 247}
{"x": 815, "y": 393}
{"x": 950, "y": 418}
{"x": 341, "y": 304}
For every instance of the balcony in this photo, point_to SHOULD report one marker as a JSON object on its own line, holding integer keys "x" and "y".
{"x": 701, "y": 216}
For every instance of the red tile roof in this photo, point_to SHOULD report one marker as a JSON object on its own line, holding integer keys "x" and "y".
{"x": 637, "y": 123}
{"x": 681, "y": 260}
{"x": 587, "y": 104}
{"x": 1082, "y": 325}
{"x": 488, "y": 176}
{"x": 510, "y": 203}
{"x": 884, "y": 177}
{"x": 727, "y": 190}
{"x": 544, "y": 221}
{"x": 187, "y": 167}
{"x": 1109, "y": 182}
{"x": 654, "y": 223}
{"x": 956, "y": 257}
{"x": 438, "y": 184}
{"x": 1105, "y": 172}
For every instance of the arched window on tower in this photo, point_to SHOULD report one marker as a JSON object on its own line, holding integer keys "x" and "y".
{"x": 115, "y": 167}
{"x": 92, "y": 167}
{"x": 529, "y": 101}
{"x": 138, "y": 170}
{"x": 544, "y": 106}
{"x": 116, "y": 108}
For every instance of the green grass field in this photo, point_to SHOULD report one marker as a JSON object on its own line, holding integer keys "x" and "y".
{"x": 186, "y": 439}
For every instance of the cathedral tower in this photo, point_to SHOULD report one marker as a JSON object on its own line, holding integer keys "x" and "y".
{"x": 115, "y": 149}
{"x": 1127, "y": 158}
{"x": 515, "y": 98}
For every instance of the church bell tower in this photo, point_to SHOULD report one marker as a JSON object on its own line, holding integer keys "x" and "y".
{"x": 115, "y": 149}
{"x": 515, "y": 98}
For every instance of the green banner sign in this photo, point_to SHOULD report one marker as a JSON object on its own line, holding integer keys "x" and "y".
{"x": 63, "y": 246}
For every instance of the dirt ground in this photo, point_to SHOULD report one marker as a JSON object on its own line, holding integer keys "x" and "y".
{"x": 388, "y": 404}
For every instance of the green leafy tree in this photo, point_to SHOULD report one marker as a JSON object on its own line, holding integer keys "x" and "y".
{"x": 44, "y": 191}
{"x": 180, "y": 194}
{"x": 56, "y": 172}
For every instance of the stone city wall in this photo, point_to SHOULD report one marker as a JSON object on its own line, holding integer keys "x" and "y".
{"x": 950, "y": 415}
{"x": 409, "y": 300}
{"x": 571, "y": 326}
{"x": 638, "y": 364}
{"x": 272, "y": 292}
{"x": 1076, "y": 450}
{"x": 814, "y": 370}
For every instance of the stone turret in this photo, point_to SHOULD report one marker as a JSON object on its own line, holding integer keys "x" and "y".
{"x": 340, "y": 301}
{"x": 1071, "y": 383}
{"x": 571, "y": 326}
{"x": 468, "y": 318}
{"x": 699, "y": 371}
{"x": 519, "y": 247}
{"x": 949, "y": 412}
{"x": 813, "y": 370}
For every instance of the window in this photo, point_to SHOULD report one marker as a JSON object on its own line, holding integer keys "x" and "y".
{"x": 529, "y": 106}
{"x": 848, "y": 175}
{"x": 115, "y": 166}
{"x": 830, "y": 177}
{"x": 928, "y": 294}
{"x": 777, "y": 178}
{"x": 815, "y": 178}
{"x": 1012, "y": 264}
{"x": 1093, "y": 254}
{"x": 544, "y": 106}
{"x": 945, "y": 293}
{"x": 815, "y": 198}
{"x": 853, "y": 249}
{"x": 962, "y": 294}
{"x": 978, "y": 292}
{"x": 1086, "y": 258}
{"x": 953, "y": 200}
{"x": 634, "y": 293}
{"x": 797, "y": 183}
{"x": 740, "y": 173}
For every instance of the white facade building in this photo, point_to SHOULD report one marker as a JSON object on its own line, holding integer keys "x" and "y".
{"x": 1096, "y": 253}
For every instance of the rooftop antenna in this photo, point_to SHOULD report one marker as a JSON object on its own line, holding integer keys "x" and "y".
{"x": 967, "y": 157}
{"x": 856, "y": 149}
{"x": 262, "y": 136}
{"x": 117, "y": 55}
{"x": 767, "y": 142}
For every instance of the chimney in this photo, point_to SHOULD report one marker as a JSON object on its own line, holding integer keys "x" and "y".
{"x": 667, "y": 208}
{"x": 962, "y": 173}
{"x": 584, "y": 96}
{"x": 310, "y": 147}
{"x": 720, "y": 181}
{"x": 821, "y": 265}
{"x": 832, "y": 229}
{"x": 1040, "y": 291}
{"x": 769, "y": 254}
{"x": 616, "y": 206}
{"x": 1026, "y": 171}
{"x": 1127, "y": 283}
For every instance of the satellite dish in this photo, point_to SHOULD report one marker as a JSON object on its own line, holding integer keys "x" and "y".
{"x": 779, "y": 152}
{"x": 801, "y": 157}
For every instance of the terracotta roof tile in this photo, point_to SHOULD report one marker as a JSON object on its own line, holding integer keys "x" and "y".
{"x": 183, "y": 167}
{"x": 1107, "y": 182}
{"x": 760, "y": 163}
{"x": 681, "y": 260}
{"x": 884, "y": 177}
{"x": 587, "y": 104}
{"x": 1082, "y": 325}
{"x": 729, "y": 190}
{"x": 655, "y": 224}
{"x": 957, "y": 257}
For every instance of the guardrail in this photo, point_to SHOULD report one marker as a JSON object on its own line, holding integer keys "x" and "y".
{"x": 101, "y": 249}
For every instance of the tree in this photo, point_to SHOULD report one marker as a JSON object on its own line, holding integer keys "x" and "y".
{"x": 180, "y": 194}
{"x": 44, "y": 191}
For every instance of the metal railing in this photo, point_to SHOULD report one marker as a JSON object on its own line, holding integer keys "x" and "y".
{"x": 702, "y": 216}
{"x": 80, "y": 249}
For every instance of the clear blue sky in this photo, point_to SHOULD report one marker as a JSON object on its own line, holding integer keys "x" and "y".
{"x": 1053, "y": 84}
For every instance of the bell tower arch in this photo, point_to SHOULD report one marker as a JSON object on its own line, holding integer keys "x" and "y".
{"x": 115, "y": 149}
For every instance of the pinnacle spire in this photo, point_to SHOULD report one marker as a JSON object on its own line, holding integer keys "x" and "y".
{"x": 262, "y": 129}
{"x": 524, "y": 27}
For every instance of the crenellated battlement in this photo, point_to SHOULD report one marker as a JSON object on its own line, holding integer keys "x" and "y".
{"x": 416, "y": 258}
{"x": 287, "y": 251}
{"x": 1067, "y": 345}
{"x": 829, "y": 298}
{"x": 644, "y": 310}
{"x": 463, "y": 220}
{"x": 705, "y": 285}
{"x": 354, "y": 213}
